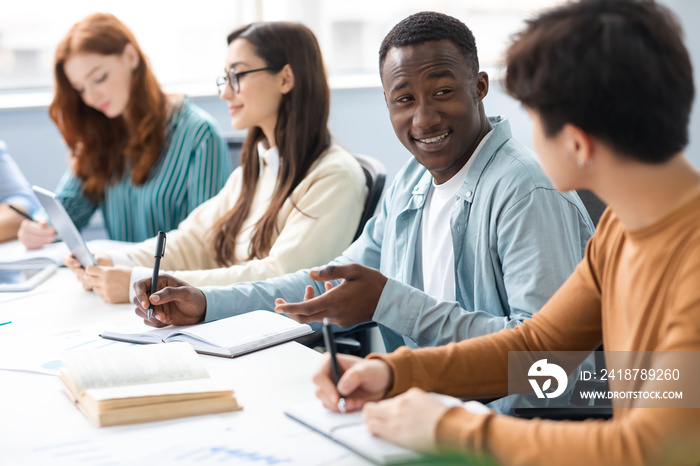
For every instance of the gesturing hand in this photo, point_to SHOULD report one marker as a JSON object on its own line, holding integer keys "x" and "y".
{"x": 175, "y": 302}
{"x": 352, "y": 302}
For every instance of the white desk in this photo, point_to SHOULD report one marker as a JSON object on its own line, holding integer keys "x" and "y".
{"x": 37, "y": 421}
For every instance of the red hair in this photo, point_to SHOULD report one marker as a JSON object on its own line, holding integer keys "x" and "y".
{"x": 100, "y": 146}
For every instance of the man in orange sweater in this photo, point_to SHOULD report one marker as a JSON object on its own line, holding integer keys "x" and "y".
{"x": 609, "y": 87}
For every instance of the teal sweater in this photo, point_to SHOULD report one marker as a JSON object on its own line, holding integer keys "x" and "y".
{"x": 193, "y": 167}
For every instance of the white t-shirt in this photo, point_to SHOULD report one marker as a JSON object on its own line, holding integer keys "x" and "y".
{"x": 436, "y": 238}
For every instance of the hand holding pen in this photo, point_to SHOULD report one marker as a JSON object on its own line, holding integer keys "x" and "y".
{"x": 21, "y": 212}
{"x": 362, "y": 381}
{"x": 160, "y": 252}
{"x": 33, "y": 234}
{"x": 329, "y": 341}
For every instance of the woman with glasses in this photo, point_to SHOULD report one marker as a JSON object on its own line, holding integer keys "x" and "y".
{"x": 144, "y": 158}
{"x": 296, "y": 200}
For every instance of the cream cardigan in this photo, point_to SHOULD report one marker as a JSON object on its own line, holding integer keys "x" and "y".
{"x": 329, "y": 203}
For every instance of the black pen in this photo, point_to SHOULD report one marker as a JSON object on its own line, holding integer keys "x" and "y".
{"x": 160, "y": 252}
{"x": 20, "y": 212}
{"x": 330, "y": 347}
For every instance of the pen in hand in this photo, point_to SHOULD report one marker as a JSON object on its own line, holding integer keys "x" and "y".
{"x": 160, "y": 252}
{"x": 329, "y": 341}
{"x": 20, "y": 212}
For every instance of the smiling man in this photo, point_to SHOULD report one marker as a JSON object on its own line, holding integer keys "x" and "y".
{"x": 616, "y": 121}
{"x": 434, "y": 94}
{"x": 471, "y": 237}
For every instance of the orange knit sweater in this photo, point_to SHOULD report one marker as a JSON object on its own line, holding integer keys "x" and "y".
{"x": 634, "y": 291}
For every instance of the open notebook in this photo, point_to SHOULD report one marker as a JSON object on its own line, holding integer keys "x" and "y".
{"x": 349, "y": 430}
{"x": 228, "y": 337}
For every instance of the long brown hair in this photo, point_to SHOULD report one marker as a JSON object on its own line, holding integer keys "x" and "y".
{"x": 301, "y": 132}
{"x": 100, "y": 146}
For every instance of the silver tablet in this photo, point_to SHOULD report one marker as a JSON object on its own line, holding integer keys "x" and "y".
{"x": 24, "y": 277}
{"x": 65, "y": 227}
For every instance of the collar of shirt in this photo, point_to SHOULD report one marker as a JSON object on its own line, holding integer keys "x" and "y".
{"x": 269, "y": 157}
{"x": 449, "y": 188}
{"x": 453, "y": 185}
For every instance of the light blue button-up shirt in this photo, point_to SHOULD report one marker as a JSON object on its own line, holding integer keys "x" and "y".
{"x": 516, "y": 240}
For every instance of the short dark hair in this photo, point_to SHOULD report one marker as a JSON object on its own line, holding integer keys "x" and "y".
{"x": 617, "y": 69}
{"x": 431, "y": 26}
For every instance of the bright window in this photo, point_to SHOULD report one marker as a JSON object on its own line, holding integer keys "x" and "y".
{"x": 186, "y": 41}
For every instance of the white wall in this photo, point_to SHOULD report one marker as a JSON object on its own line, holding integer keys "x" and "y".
{"x": 359, "y": 120}
{"x": 689, "y": 13}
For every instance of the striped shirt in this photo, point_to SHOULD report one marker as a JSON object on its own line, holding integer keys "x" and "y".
{"x": 193, "y": 167}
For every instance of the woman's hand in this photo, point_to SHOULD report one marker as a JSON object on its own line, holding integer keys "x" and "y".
{"x": 110, "y": 282}
{"x": 77, "y": 268}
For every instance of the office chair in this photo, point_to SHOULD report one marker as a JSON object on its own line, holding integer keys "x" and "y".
{"x": 592, "y": 203}
{"x": 375, "y": 178}
{"x": 357, "y": 340}
{"x": 235, "y": 143}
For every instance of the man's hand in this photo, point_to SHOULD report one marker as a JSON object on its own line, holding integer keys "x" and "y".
{"x": 363, "y": 380}
{"x": 352, "y": 302}
{"x": 409, "y": 419}
{"x": 175, "y": 302}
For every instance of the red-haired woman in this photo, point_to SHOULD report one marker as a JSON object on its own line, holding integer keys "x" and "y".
{"x": 146, "y": 159}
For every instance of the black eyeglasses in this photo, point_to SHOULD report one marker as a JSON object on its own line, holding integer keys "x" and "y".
{"x": 233, "y": 78}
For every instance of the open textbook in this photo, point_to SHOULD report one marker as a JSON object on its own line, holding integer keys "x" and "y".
{"x": 348, "y": 430}
{"x": 130, "y": 384}
{"x": 228, "y": 337}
